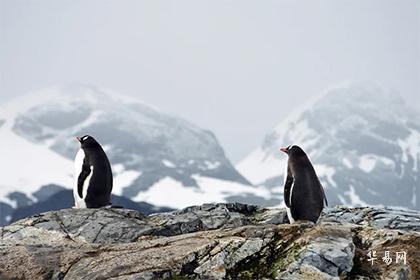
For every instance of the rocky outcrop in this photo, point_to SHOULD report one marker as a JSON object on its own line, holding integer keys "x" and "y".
{"x": 213, "y": 241}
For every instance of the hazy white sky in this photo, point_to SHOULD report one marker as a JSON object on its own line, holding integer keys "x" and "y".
{"x": 234, "y": 67}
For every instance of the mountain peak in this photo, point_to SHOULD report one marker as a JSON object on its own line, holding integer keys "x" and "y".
{"x": 153, "y": 153}
{"x": 362, "y": 140}
{"x": 72, "y": 94}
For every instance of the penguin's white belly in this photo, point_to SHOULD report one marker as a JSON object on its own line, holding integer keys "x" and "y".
{"x": 289, "y": 215}
{"x": 78, "y": 165}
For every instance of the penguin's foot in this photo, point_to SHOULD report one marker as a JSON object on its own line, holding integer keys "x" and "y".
{"x": 303, "y": 222}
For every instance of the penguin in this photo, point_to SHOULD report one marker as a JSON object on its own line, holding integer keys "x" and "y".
{"x": 93, "y": 175}
{"x": 303, "y": 193}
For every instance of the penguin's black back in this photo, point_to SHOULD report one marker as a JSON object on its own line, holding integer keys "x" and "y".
{"x": 100, "y": 184}
{"x": 307, "y": 195}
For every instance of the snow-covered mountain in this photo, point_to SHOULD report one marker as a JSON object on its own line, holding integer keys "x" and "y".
{"x": 156, "y": 157}
{"x": 364, "y": 142}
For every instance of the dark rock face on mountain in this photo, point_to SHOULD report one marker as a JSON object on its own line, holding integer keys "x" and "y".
{"x": 64, "y": 199}
{"x": 212, "y": 241}
{"x": 6, "y": 212}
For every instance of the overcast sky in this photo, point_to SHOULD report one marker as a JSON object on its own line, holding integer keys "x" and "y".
{"x": 234, "y": 67}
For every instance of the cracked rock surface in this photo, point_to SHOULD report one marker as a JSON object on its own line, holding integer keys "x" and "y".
{"x": 211, "y": 241}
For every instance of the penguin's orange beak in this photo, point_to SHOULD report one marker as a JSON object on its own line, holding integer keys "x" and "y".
{"x": 78, "y": 139}
{"x": 283, "y": 150}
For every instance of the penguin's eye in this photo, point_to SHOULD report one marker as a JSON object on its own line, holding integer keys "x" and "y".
{"x": 85, "y": 137}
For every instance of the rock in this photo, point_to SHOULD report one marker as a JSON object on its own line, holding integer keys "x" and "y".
{"x": 329, "y": 251}
{"x": 388, "y": 217}
{"x": 211, "y": 241}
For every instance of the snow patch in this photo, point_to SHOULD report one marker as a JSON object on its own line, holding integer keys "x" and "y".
{"x": 410, "y": 146}
{"x": 342, "y": 200}
{"x": 386, "y": 161}
{"x": 9, "y": 201}
{"x": 354, "y": 198}
{"x": 171, "y": 193}
{"x": 259, "y": 166}
{"x": 20, "y": 166}
{"x": 212, "y": 165}
{"x": 367, "y": 163}
{"x": 123, "y": 178}
{"x": 168, "y": 163}
{"x": 347, "y": 163}
{"x": 106, "y": 148}
{"x": 327, "y": 172}
{"x": 118, "y": 168}
{"x": 299, "y": 133}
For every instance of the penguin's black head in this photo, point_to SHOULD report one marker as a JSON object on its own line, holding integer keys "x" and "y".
{"x": 87, "y": 141}
{"x": 293, "y": 150}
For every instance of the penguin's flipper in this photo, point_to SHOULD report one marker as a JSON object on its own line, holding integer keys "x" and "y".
{"x": 287, "y": 187}
{"x": 82, "y": 178}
